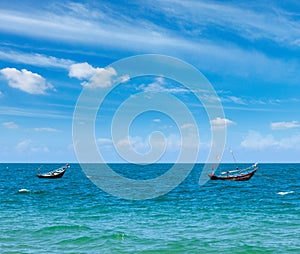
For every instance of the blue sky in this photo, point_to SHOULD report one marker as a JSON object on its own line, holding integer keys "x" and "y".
{"x": 248, "y": 51}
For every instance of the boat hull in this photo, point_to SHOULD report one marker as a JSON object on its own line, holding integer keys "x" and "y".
{"x": 52, "y": 175}
{"x": 241, "y": 177}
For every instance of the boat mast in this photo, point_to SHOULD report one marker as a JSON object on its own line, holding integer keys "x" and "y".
{"x": 234, "y": 158}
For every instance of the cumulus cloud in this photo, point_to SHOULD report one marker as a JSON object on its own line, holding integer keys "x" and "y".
{"x": 81, "y": 71}
{"x": 256, "y": 141}
{"x": 26, "y": 81}
{"x": 95, "y": 77}
{"x": 221, "y": 123}
{"x": 10, "y": 125}
{"x": 28, "y": 145}
{"x": 284, "y": 125}
{"x": 102, "y": 78}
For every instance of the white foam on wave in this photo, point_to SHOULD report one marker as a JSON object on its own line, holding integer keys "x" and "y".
{"x": 23, "y": 191}
{"x": 285, "y": 192}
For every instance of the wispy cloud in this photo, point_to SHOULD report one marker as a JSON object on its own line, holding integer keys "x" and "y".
{"x": 23, "y": 145}
{"x": 105, "y": 143}
{"x": 34, "y": 59}
{"x": 26, "y": 81}
{"x": 161, "y": 86}
{"x": 270, "y": 22}
{"x": 234, "y": 99}
{"x": 247, "y": 102}
{"x": 141, "y": 145}
{"x": 284, "y": 125}
{"x": 36, "y": 113}
{"x": 46, "y": 129}
{"x": 10, "y": 125}
{"x": 187, "y": 126}
{"x": 112, "y": 29}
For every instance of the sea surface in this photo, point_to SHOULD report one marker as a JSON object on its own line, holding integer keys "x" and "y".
{"x": 72, "y": 215}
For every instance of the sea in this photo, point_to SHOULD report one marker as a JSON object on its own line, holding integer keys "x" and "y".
{"x": 73, "y": 215}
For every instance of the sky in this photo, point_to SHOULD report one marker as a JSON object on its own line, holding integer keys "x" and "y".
{"x": 50, "y": 51}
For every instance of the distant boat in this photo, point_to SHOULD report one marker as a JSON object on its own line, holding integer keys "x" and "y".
{"x": 57, "y": 173}
{"x": 235, "y": 175}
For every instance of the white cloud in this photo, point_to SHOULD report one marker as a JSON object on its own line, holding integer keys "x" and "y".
{"x": 124, "y": 78}
{"x": 159, "y": 86}
{"x": 267, "y": 23}
{"x": 234, "y": 99}
{"x": 96, "y": 77}
{"x": 46, "y": 129}
{"x": 292, "y": 142}
{"x": 23, "y": 145}
{"x": 37, "y": 113}
{"x": 81, "y": 71}
{"x": 249, "y": 100}
{"x": 153, "y": 87}
{"x": 284, "y": 125}
{"x": 34, "y": 59}
{"x": 187, "y": 126}
{"x": 76, "y": 22}
{"x": 104, "y": 141}
{"x": 255, "y": 141}
{"x": 26, "y": 81}
{"x": 209, "y": 98}
{"x": 138, "y": 144}
{"x": 173, "y": 142}
{"x": 10, "y": 125}
{"x": 103, "y": 77}
{"x": 142, "y": 145}
{"x": 221, "y": 123}
{"x": 28, "y": 145}
{"x": 110, "y": 30}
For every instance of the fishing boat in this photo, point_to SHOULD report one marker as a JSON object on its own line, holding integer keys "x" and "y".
{"x": 57, "y": 173}
{"x": 235, "y": 175}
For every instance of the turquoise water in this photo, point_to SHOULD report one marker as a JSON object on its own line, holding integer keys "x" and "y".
{"x": 72, "y": 215}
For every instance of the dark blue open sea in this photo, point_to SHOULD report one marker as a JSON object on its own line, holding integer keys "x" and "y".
{"x": 72, "y": 215}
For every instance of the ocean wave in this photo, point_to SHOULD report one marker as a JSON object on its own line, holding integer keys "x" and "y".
{"x": 285, "y": 192}
{"x": 24, "y": 191}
